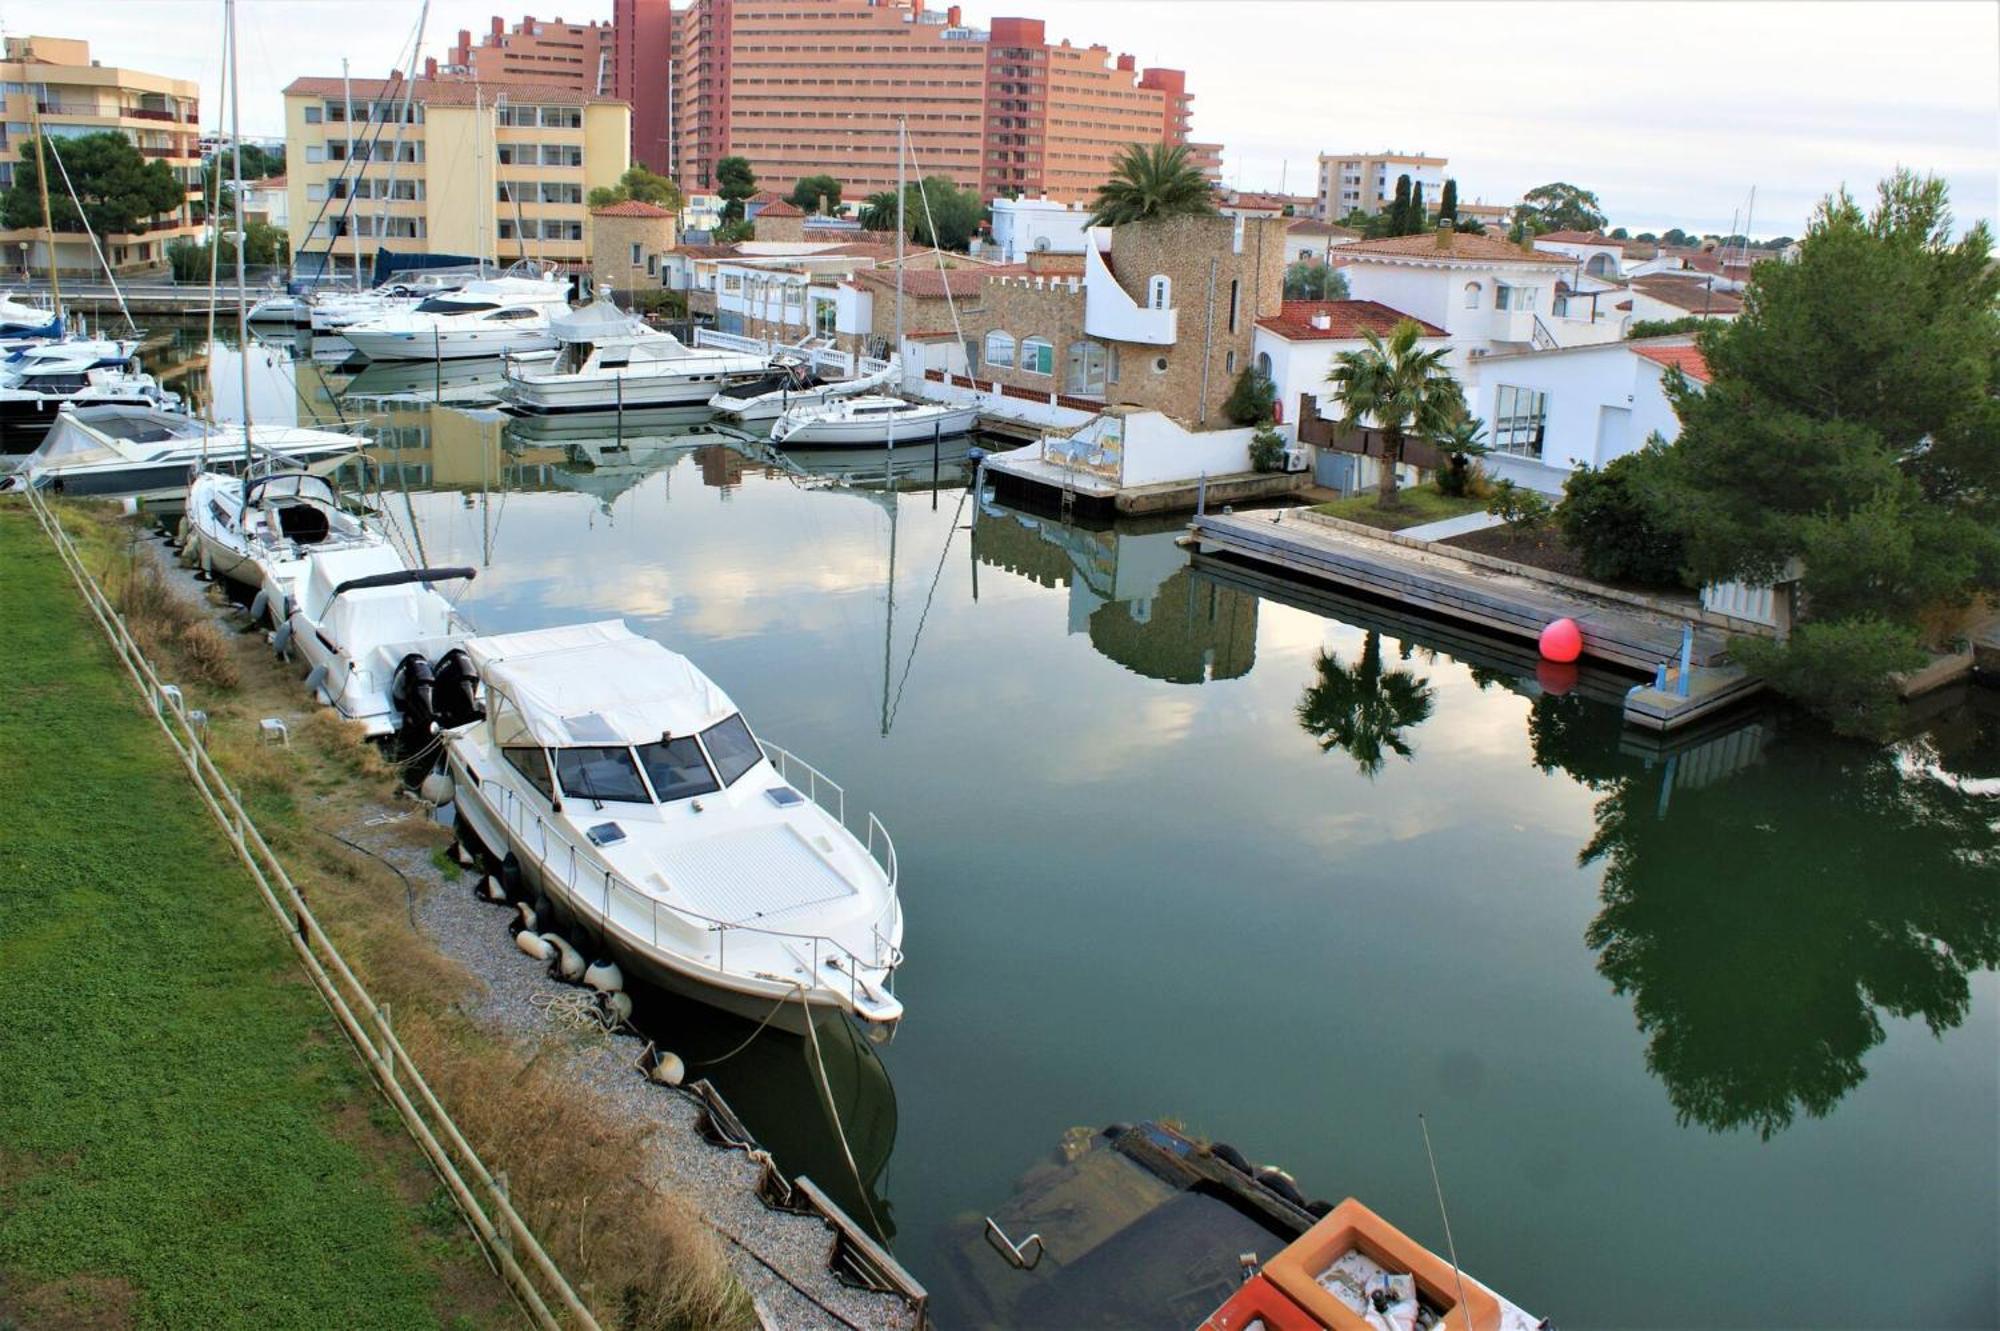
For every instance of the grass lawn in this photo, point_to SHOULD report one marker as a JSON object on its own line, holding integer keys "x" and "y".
{"x": 186, "y": 1140}
{"x": 1415, "y": 506}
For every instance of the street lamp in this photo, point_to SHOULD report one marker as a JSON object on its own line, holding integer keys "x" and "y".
{"x": 24, "y": 258}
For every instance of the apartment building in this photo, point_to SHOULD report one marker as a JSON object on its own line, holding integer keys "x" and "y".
{"x": 1368, "y": 181}
{"x": 642, "y": 76}
{"x": 577, "y": 56}
{"x": 74, "y": 96}
{"x": 498, "y": 173}
{"x": 800, "y": 87}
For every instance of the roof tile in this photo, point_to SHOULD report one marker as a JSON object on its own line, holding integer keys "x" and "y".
{"x": 1459, "y": 247}
{"x": 1346, "y": 319}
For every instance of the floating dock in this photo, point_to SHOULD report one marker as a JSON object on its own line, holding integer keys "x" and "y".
{"x": 1083, "y": 492}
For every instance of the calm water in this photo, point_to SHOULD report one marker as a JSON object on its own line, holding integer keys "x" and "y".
{"x": 1707, "y": 1036}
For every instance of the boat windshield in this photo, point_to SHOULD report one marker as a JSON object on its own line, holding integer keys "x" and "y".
{"x": 600, "y": 774}
{"x": 677, "y": 768}
{"x": 732, "y": 748}
{"x": 450, "y": 304}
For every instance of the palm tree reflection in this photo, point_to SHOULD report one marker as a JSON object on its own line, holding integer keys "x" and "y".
{"x": 1364, "y": 709}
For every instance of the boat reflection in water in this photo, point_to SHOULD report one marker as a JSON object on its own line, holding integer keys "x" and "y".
{"x": 1130, "y": 590}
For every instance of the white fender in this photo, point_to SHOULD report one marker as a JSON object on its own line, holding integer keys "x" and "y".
{"x": 533, "y": 945}
{"x": 315, "y": 679}
{"x": 668, "y": 1070}
{"x": 569, "y": 961}
{"x": 617, "y": 1008}
{"x": 281, "y": 641}
{"x": 604, "y": 976}
{"x": 436, "y": 788}
{"x": 526, "y": 916}
{"x": 491, "y": 888}
{"x": 258, "y": 605}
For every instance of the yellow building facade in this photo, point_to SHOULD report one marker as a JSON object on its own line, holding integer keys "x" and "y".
{"x": 54, "y": 77}
{"x": 501, "y": 173}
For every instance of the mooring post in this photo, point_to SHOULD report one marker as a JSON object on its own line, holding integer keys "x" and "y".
{"x": 1687, "y": 656}
{"x": 1201, "y": 495}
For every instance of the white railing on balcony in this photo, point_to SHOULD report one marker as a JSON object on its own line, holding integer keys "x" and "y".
{"x": 1109, "y": 310}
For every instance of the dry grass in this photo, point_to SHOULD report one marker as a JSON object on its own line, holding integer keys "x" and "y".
{"x": 642, "y": 1260}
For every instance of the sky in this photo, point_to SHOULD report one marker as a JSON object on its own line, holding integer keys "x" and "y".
{"x": 1671, "y": 112}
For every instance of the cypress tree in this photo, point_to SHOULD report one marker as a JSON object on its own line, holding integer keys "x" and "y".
{"x": 1399, "y": 211}
{"x": 1448, "y": 203}
{"x": 1419, "y": 217}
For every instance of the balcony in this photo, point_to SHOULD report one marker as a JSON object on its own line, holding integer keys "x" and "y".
{"x": 1110, "y": 312}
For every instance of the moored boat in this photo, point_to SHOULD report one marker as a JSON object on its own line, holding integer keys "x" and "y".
{"x": 498, "y": 317}
{"x": 870, "y": 420}
{"x": 259, "y": 531}
{"x": 608, "y": 360}
{"x": 792, "y": 382}
{"x": 627, "y": 788}
{"x": 121, "y": 450}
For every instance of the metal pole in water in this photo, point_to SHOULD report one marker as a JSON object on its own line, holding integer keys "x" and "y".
{"x": 1450, "y": 1246}
{"x": 1201, "y": 495}
{"x": 1687, "y": 657}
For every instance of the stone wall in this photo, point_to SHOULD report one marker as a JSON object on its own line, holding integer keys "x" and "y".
{"x": 611, "y": 241}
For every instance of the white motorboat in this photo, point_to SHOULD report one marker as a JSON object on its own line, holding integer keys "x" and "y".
{"x": 870, "y": 420}
{"x": 282, "y": 307}
{"x": 106, "y": 451}
{"x": 491, "y": 318}
{"x": 382, "y": 645}
{"x": 259, "y": 531}
{"x": 24, "y": 319}
{"x": 28, "y": 403}
{"x": 609, "y": 360}
{"x": 69, "y": 355}
{"x": 331, "y": 311}
{"x": 627, "y": 789}
{"x": 791, "y": 383}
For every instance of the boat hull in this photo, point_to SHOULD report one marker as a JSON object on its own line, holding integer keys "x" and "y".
{"x": 557, "y": 396}
{"x": 875, "y": 434}
{"x": 455, "y": 344}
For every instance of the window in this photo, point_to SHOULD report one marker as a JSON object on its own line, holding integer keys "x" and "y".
{"x": 513, "y": 314}
{"x": 1086, "y": 369}
{"x": 1159, "y": 365}
{"x": 1229, "y": 362}
{"x": 677, "y": 768}
{"x": 1000, "y": 351}
{"x": 1111, "y": 364}
{"x": 637, "y": 253}
{"x": 1235, "y": 293}
{"x": 1561, "y": 306}
{"x": 533, "y": 765}
{"x": 1264, "y": 364}
{"x": 1472, "y": 295}
{"x": 1038, "y": 356}
{"x": 451, "y": 305}
{"x": 313, "y": 116}
{"x": 1515, "y": 298}
{"x": 1519, "y": 417}
{"x": 600, "y": 774}
{"x": 1159, "y": 291}
{"x": 562, "y": 117}
{"x": 732, "y": 748}
{"x": 315, "y": 152}
{"x": 314, "y": 194}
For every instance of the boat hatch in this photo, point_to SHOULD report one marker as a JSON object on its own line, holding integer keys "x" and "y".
{"x": 606, "y": 834}
{"x": 784, "y": 796}
{"x": 754, "y": 876}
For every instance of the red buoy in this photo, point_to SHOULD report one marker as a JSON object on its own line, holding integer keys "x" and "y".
{"x": 1562, "y": 640}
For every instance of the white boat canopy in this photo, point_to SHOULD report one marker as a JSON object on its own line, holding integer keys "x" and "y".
{"x": 597, "y": 684}
{"x": 599, "y": 321}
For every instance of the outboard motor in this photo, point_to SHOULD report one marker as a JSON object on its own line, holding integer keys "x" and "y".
{"x": 455, "y": 692}
{"x": 412, "y": 690}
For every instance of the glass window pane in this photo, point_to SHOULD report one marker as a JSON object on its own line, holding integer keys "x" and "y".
{"x": 730, "y": 744}
{"x": 677, "y": 768}
{"x": 533, "y": 765}
{"x": 600, "y": 774}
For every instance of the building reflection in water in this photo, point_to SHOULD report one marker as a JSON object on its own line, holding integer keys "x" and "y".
{"x": 1131, "y": 591}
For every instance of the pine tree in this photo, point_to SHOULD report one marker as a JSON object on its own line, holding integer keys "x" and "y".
{"x": 1419, "y": 218}
{"x": 1448, "y": 203}
{"x": 1399, "y": 211}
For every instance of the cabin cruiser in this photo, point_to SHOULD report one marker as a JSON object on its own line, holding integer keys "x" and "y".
{"x": 261, "y": 529}
{"x": 331, "y": 311}
{"x": 30, "y": 401}
{"x": 69, "y": 354}
{"x": 498, "y": 317}
{"x": 382, "y": 645}
{"x": 870, "y": 420}
{"x": 23, "y": 319}
{"x": 609, "y": 360}
{"x": 791, "y": 382}
{"x": 114, "y": 450}
{"x": 631, "y": 794}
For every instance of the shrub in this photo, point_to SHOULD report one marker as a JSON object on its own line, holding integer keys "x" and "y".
{"x": 1252, "y": 401}
{"x": 658, "y": 302}
{"x": 1519, "y": 507}
{"x": 1841, "y": 669}
{"x": 1267, "y": 450}
{"x": 1617, "y": 525}
{"x": 1687, "y": 323}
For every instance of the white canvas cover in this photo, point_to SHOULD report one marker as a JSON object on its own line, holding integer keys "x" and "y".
{"x": 599, "y": 321}
{"x": 598, "y": 683}
{"x": 328, "y": 570}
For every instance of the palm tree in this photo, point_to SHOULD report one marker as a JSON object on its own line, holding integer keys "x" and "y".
{"x": 1149, "y": 182}
{"x": 1461, "y": 443}
{"x": 1403, "y": 389}
{"x": 878, "y": 212}
{"x": 1365, "y": 709}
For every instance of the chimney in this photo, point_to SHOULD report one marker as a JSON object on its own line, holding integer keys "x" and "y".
{"x": 1127, "y": 63}
{"x": 1322, "y": 321}
{"x": 954, "y": 17}
{"x": 499, "y": 26}
{"x": 1445, "y": 232}
{"x": 430, "y": 67}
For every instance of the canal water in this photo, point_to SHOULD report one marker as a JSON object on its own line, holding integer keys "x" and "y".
{"x": 1707, "y": 1033}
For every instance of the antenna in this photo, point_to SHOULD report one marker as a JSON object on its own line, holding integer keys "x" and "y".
{"x": 1450, "y": 1246}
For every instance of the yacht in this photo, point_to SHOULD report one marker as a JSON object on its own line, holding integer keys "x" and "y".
{"x": 23, "y": 319}
{"x": 69, "y": 354}
{"x": 29, "y": 403}
{"x": 381, "y": 643}
{"x": 148, "y": 451}
{"x": 331, "y": 311}
{"x": 792, "y": 382}
{"x": 870, "y": 420}
{"x": 630, "y": 792}
{"x": 497, "y": 317}
{"x": 259, "y": 530}
{"x": 609, "y": 360}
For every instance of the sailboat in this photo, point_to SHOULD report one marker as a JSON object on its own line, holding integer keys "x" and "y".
{"x": 864, "y": 420}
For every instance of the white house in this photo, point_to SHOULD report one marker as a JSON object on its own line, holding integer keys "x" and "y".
{"x": 266, "y": 201}
{"x": 1549, "y": 412}
{"x": 1595, "y": 254}
{"x": 1678, "y": 295}
{"x": 1308, "y": 238}
{"x": 1295, "y": 347}
{"x": 1036, "y": 226}
{"x": 1487, "y": 295}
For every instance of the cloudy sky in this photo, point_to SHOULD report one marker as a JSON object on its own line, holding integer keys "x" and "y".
{"x": 1670, "y": 111}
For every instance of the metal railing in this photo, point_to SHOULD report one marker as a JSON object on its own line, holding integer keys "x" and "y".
{"x": 481, "y": 1196}
{"x": 640, "y": 917}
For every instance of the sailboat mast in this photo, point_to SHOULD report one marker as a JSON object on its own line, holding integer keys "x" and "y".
{"x": 42, "y": 175}
{"x": 236, "y": 192}
{"x": 347, "y": 94}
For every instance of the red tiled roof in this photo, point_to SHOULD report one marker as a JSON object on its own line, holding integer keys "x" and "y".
{"x": 1346, "y": 319}
{"x": 1687, "y": 292}
{"x": 447, "y": 92}
{"x": 764, "y": 196}
{"x": 1684, "y": 357}
{"x": 631, "y": 208}
{"x": 706, "y": 251}
{"x": 1459, "y": 247}
{"x": 782, "y": 208}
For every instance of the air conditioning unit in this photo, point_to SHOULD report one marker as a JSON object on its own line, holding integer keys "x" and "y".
{"x": 1296, "y": 459}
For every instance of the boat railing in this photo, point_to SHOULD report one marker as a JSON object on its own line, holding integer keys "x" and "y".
{"x": 640, "y": 917}
{"x": 824, "y": 791}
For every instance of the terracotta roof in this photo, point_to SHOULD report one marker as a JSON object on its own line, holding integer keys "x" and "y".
{"x": 930, "y": 284}
{"x": 705, "y": 251}
{"x": 1460, "y": 247}
{"x": 1684, "y": 357}
{"x": 1687, "y": 292}
{"x": 631, "y": 208}
{"x": 1346, "y": 319}
{"x": 764, "y": 196}
{"x": 447, "y": 92}
{"x": 782, "y": 208}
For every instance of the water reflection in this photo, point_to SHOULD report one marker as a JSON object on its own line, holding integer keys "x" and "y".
{"x": 1770, "y": 893}
{"x": 1130, "y": 590}
{"x": 1364, "y": 709}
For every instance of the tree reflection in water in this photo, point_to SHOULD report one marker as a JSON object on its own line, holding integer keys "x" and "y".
{"x": 1769, "y": 895}
{"x": 1364, "y": 709}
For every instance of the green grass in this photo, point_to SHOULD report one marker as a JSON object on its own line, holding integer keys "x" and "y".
{"x": 169, "y": 1082}
{"x": 1416, "y": 505}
